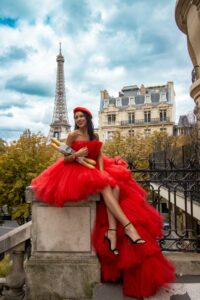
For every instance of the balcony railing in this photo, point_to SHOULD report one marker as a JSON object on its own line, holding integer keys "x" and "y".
{"x": 195, "y": 73}
{"x": 172, "y": 180}
{"x": 138, "y": 122}
{"x": 142, "y": 121}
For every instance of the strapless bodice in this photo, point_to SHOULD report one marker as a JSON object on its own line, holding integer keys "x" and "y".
{"x": 94, "y": 147}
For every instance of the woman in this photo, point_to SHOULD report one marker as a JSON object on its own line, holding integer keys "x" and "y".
{"x": 126, "y": 226}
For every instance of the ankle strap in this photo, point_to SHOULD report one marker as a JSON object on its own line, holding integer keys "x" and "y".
{"x": 127, "y": 224}
{"x": 111, "y": 229}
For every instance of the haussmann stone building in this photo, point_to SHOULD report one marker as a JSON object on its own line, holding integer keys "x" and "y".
{"x": 137, "y": 111}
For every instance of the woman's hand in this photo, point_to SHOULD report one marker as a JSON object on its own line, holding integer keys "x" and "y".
{"x": 83, "y": 152}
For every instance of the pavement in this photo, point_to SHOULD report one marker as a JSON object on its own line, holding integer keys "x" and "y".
{"x": 185, "y": 288}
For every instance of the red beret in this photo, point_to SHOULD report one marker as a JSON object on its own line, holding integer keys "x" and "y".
{"x": 83, "y": 109}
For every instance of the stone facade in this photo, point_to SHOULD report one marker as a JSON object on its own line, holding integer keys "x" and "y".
{"x": 137, "y": 111}
{"x": 188, "y": 20}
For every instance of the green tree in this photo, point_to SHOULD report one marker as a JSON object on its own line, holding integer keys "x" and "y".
{"x": 137, "y": 149}
{"x": 133, "y": 148}
{"x": 2, "y": 146}
{"x": 21, "y": 161}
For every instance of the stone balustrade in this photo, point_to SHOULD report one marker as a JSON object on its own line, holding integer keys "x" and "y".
{"x": 14, "y": 243}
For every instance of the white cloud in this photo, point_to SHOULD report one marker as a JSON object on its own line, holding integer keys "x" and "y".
{"x": 109, "y": 49}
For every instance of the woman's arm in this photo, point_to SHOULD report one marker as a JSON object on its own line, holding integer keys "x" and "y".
{"x": 80, "y": 153}
{"x": 100, "y": 160}
{"x": 70, "y": 139}
{"x": 69, "y": 158}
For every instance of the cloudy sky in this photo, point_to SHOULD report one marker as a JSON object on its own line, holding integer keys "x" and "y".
{"x": 106, "y": 45}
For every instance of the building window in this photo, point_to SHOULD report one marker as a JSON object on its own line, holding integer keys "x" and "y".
{"x": 131, "y": 118}
{"x": 163, "y": 129}
{"x": 147, "y": 131}
{"x": 132, "y": 101}
{"x": 131, "y": 132}
{"x": 118, "y": 102}
{"x": 147, "y": 99}
{"x": 147, "y": 116}
{"x": 163, "y": 97}
{"x": 111, "y": 119}
{"x": 163, "y": 115}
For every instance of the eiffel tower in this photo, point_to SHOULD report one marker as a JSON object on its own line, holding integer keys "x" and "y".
{"x": 59, "y": 127}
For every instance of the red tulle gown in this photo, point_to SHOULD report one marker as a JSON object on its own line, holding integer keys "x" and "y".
{"x": 143, "y": 268}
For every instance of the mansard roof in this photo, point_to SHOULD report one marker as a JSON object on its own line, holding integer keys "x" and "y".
{"x": 183, "y": 121}
{"x": 138, "y": 96}
{"x": 130, "y": 87}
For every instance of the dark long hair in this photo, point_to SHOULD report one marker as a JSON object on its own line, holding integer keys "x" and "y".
{"x": 90, "y": 126}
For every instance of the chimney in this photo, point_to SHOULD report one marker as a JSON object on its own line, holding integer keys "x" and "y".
{"x": 142, "y": 89}
{"x": 104, "y": 95}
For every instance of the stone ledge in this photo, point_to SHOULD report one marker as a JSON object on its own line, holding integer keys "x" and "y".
{"x": 62, "y": 256}
{"x": 186, "y": 263}
{"x": 30, "y": 198}
{"x": 70, "y": 279}
{"x": 67, "y": 259}
{"x": 15, "y": 237}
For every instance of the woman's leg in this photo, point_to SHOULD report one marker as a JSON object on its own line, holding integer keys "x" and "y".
{"x": 115, "y": 209}
{"x": 112, "y": 222}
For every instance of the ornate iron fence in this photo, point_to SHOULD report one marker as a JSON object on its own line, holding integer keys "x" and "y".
{"x": 172, "y": 180}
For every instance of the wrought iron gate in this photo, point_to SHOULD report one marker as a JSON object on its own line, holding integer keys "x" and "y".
{"x": 172, "y": 180}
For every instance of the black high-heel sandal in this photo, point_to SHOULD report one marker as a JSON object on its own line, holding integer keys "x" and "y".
{"x": 139, "y": 241}
{"x": 106, "y": 238}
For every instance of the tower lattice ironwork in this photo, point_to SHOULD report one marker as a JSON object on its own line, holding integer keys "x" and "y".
{"x": 60, "y": 126}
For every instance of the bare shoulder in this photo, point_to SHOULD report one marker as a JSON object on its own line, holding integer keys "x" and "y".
{"x": 74, "y": 133}
{"x": 72, "y": 136}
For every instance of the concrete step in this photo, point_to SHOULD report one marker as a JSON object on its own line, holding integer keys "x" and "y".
{"x": 109, "y": 291}
{"x": 185, "y": 288}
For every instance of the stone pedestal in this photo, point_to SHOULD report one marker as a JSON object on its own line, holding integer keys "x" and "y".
{"x": 63, "y": 264}
{"x": 187, "y": 15}
{"x": 195, "y": 94}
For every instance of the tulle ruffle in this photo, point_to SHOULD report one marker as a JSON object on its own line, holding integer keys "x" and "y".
{"x": 143, "y": 268}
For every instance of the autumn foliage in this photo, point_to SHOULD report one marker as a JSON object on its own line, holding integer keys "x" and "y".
{"x": 24, "y": 159}
{"x": 137, "y": 148}
{"x": 20, "y": 162}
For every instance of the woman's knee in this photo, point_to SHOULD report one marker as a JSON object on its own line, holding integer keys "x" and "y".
{"x": 116, "y": 189}
{"x": 106, "y": 190}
